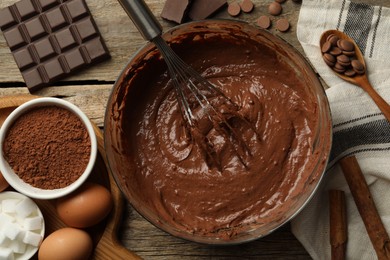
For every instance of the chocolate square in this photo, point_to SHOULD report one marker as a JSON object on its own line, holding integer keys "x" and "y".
{"x": 95, "y": 49}
{"x": 6, "y": 18}
{"x": 74, "y": 59}
{"x": 86, "y": 29}
{"x": 46, "y": 4}
{"x": 54, "y": 69}
{"x": 56, "y": 19}
{"x": 26, "y": 9}
{"x": 76, "y": 9}
{"x": 33, "y": 77}
{"x": 14, "y": 38}
{"x": 44, "y": 49}
{"x": 35, "y": 28}
{"x": 23, "y": 58}
{"x": 65, "y": 39}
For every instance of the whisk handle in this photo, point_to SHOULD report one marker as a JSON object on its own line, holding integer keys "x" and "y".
{"x": 142, "y": 18}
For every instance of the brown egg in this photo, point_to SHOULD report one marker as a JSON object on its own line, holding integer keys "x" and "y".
{"x": 85, "y": 207}
{"x": 65, "y": 244}
{"x": 3, "y": 183}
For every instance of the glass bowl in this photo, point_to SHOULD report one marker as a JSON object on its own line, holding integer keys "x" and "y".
{"x": 128, "y": 101}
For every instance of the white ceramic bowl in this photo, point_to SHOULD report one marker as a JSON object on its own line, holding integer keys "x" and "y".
{"x": 30, "y": 249}
{"x": 25, "y": 188}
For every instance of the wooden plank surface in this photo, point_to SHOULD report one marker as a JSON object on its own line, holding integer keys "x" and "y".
{"x": 90, "y": 88}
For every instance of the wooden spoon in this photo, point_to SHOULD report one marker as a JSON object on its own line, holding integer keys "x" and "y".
{"x": 359, "y": 79}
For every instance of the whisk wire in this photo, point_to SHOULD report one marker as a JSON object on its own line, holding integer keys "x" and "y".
{"x": 186, "y": 79}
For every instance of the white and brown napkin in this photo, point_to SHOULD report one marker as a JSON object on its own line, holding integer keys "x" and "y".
{"x": 359, "y": 128}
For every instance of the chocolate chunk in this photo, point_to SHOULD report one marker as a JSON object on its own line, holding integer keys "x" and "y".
{"x": 6, "y": 18}
{"x": 339, "y": 68}
{"x": 345, "y": 45}
{"x": 326, "y": 47}
{"x": 349, "y": 73}
{"x": 175, "y": 10}
{"x": 343, "y": 60}
{"x": 234, "y": 9}
{"x": 275, "y": 8}
{"x": 264, "y": 22}
{"x": 202, "y": 9}
{"x": 349, "y": 53}
{"x": 333, "y": 39}
{"x": 329, "y": 59}
{"x": 335, "y": 51}
{"x": 50, "y": 39}
{"x": 280, "y": 1}
{"x": 357, "y": 66}
{"x": 283, "y": 25}
{"x": 247, "y": 6}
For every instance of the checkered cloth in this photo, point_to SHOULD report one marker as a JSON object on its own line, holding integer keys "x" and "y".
{"x": 358, "y": 125}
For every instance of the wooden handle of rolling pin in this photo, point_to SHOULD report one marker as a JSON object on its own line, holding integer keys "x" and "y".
{"x": 366, "y": 206}
{"x": 337, "y": 224}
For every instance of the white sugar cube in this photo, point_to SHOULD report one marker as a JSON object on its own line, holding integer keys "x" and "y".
{"x": 32, "y": 238}
{"x": 34, "y": 223}
{"x": 8, "y": 205}
{"x": 6, "y": 254}
{"x": 5, "y": 219}
{"x": 3, "y": 239}
{"x": 11, "y": 231}
{"x": 24, "y": 208}
{"x": 18, "y": 247}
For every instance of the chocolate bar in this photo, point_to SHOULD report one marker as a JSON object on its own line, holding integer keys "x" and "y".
{"x": 175, "y": 10}
{"x": 202, "y": 9}
{"x": 51, "y": 39}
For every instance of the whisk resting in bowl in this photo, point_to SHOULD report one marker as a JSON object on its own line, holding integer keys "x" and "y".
{"x": 192, "y": 90}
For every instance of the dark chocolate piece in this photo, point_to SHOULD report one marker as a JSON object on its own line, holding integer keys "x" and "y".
{"x": 247, "y": 6}
{"x": 275, "y": 9}
{"x": 326, "y": 47}
{"x": 345, "y": 45}
{"x": 341, "y": 57}
{"x": 264, "y": 22}
{"x": 283, "y": 25}
{"x": 234, "y": 9}
{"x": 202, "y": 9}
{"x": 51, "y": 39}
{"x": 175, "y": 10}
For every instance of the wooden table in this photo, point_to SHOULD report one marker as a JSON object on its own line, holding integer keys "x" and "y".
{"x": 89, "y": 89}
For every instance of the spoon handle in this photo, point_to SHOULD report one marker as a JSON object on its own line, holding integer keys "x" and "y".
{"x": 380, "y": 102}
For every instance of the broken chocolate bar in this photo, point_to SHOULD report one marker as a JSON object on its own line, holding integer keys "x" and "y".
{"x": 175, "y": 10}
{"x": 202, "y": 9}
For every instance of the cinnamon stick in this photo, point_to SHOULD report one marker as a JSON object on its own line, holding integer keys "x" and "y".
{"x": 338, "y": 224}
{"x": 366, "y": 206}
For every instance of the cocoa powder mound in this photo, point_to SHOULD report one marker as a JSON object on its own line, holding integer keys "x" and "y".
{"x": 48, "y": 147}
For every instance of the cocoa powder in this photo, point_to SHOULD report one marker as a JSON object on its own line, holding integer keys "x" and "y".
{"x": 48, "y": 147}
